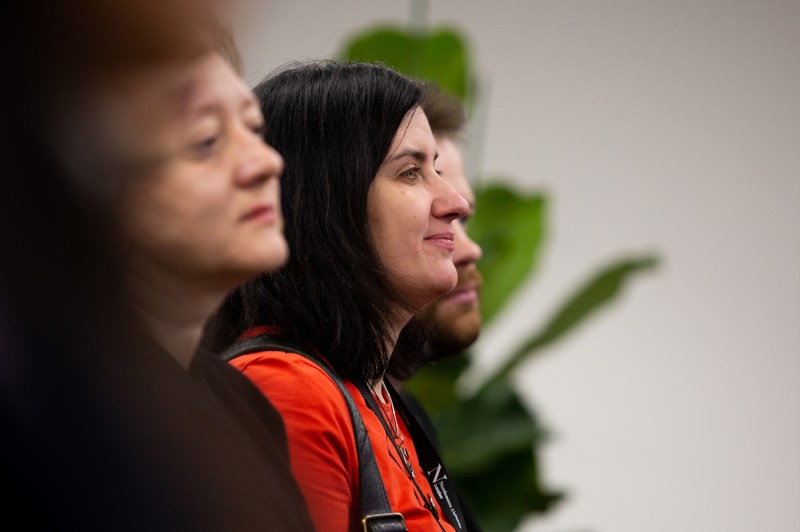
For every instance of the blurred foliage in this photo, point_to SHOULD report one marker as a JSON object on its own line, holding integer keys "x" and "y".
{"x": 509, "y": 226}
{"x": 489, "y": 439}
{"x": 440, "y": 55}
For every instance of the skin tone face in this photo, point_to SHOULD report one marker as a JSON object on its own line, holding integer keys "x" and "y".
{"x": 199, "y": 203}
{"x": 455, "y": 317}
{"x": 411, "y": 209}
{"x": 208, "y": 207}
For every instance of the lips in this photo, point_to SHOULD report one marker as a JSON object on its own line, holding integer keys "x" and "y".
{"x": 442, "y": 240}
{"x": 464, "y": 295}
{"x": 262, "y": 212}
{"x": 467, "y": 291}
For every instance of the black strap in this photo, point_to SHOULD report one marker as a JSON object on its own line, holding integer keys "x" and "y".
{"x": 376, "y": 513}
{"x": 432, "y": 465}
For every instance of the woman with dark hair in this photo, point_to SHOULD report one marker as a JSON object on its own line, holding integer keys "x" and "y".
{"x": 368, "y": 219}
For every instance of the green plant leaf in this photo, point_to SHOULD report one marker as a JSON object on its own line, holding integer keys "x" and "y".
{"x": 488, "y": 445}
{"x": 510, "y": 491}
{"x": 603, "y": 288}
{"x": 509, "y": 226}
{"x": 435, "y": 385}
{"x": 474, "y": 432}
{"x": 440, "y": 55}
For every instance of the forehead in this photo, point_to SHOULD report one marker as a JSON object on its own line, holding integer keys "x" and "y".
{"x": 413, "y": 133}
{"x": 145, "y": 113}
{"x": 211, "y": 81}
{"x": 174, "y": 89}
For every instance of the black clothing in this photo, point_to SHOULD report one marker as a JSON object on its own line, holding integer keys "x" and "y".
{"x": 100, "y": 437}
{"x": 429, "y": 428}
{"x": 276, "y": 497}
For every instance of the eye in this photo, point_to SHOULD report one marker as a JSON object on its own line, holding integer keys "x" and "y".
{"x": 410, "y": 173}
{"x": 259, "y": 129}
{"x": 205, "y": 147}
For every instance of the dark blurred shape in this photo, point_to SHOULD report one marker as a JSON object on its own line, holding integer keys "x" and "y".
{"x": 101, "y": 429}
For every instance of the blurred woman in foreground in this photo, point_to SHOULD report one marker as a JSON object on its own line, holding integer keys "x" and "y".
{"x": 145, "y": 194}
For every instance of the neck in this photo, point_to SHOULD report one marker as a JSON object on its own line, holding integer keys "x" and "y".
{"x": 400, "y": 319}
{"x": 173, "y": 308}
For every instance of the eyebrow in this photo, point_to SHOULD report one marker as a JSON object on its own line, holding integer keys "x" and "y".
{"x": 417, "y": 155}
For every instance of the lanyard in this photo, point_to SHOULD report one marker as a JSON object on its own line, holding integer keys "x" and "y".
{"x": 429, "y": 459}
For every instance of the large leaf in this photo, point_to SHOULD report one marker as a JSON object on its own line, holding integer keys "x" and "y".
{"x": 475, "y": 432}
{"x": 509, "y": 226}
{"x": 602, "y": 289}
{"x": 439, "y": 55}
{"x": 501, "y": 497}
{"x": 487, "y": 443}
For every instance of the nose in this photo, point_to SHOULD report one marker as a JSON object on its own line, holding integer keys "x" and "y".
{"x": 258, "y": 161}
{"x": 448, "y": 204}
{"x": 467, "y": 250}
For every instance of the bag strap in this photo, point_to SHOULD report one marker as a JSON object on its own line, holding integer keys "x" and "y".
{"x": 402, "y": 453}
{"x": 443, "y": 486}
{"x": 377, "y": 514}
{"x": 432, "y": 465}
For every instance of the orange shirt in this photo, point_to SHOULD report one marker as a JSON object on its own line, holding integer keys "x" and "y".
{"x": 322, "y": 444}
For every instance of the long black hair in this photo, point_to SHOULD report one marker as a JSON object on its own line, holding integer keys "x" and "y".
{"x": 333, "y": 122}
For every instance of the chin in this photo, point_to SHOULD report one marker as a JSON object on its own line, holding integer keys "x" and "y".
{"x": 274, "y": 255}
{"x": 467, "y": 320}
{"x": 423, "y": 291}
{"x": 450, "y": 337}
{"x": 258, "y": 264}
{"x": 435, "y": 293}
{"x": 447, "y": 282}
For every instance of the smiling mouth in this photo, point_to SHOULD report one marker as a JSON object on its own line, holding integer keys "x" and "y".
{"x": 442, "y": 240}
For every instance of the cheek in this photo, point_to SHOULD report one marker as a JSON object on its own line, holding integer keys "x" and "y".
{"x": 379, "y": 219}
{"x": 396, "y": 226}
{"x": 196, "y": 198}
{"x": 141, "y": 211}
{"x": 174, "y": 209}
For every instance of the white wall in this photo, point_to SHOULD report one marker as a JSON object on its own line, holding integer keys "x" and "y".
{"x": 671, "y": 127}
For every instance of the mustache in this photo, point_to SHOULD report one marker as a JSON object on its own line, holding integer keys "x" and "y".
{"x": 467, "y": 276}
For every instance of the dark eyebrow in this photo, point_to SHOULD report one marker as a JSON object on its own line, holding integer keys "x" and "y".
{"x": 415, "y": 154}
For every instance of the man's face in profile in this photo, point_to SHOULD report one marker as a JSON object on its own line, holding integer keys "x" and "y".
{"x": 455, "y": 318}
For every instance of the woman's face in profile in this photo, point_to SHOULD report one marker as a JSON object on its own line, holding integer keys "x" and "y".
{"x": 205, "y": 202}
{"x": 410, "y": 209}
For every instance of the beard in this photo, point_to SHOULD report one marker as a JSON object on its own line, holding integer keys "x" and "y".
{"x": 454, "y": 333}
{"x": 442, "y": 329}
{"x": 452, "y": 327}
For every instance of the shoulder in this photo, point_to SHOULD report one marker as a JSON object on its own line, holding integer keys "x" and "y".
{"x": 286, "y": 368}
{"x": 234, "y": 390}
{"x": 319, "y": 425}
{"x": 297, "y": 386}
{"x": 212, "y": 372}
